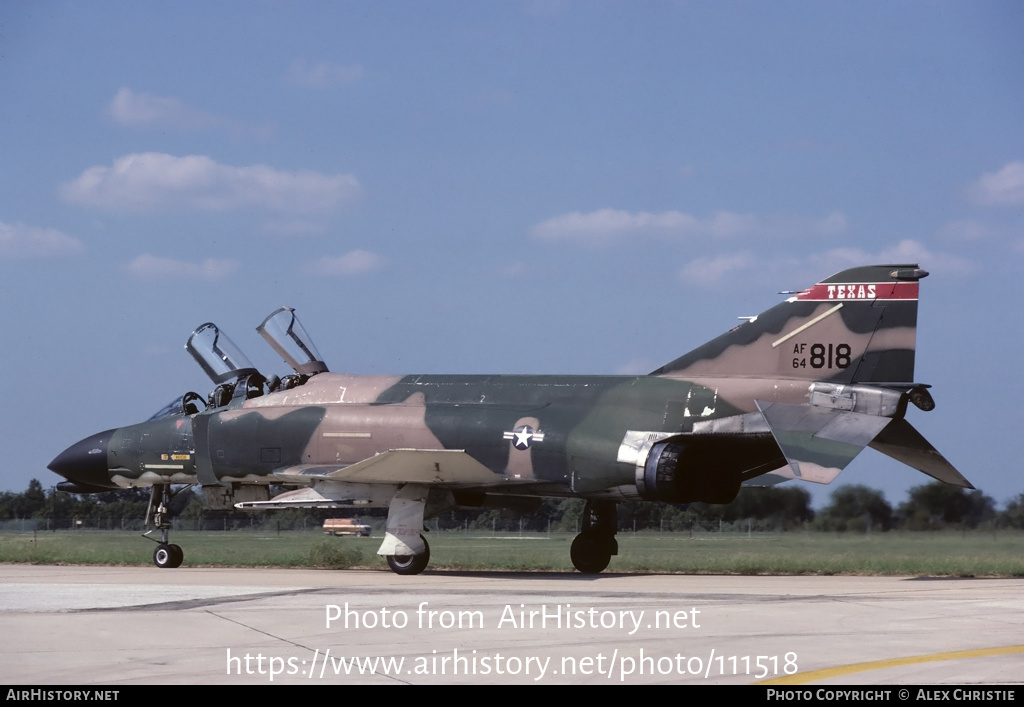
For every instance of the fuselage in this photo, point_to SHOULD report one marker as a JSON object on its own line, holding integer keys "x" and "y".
{"x": 565, "y": 431}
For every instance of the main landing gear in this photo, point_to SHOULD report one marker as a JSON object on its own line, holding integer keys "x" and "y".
{"x": 593, "y": 548}
{"x": 166, "y": 554}
{"x": 406, "y": 551}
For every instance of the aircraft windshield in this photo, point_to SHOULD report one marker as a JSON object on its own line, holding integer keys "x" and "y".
{"x": 285, "y": 334}
{"x": 217, "y": 355}
{"x": 171, "y": 408}
{"x": 188, "y": 404}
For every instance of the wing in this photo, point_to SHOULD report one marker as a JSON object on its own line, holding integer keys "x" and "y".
{"x": 443, "y": 468}
{"x": 405, "y": 479}
{"x": 446, "y": 467}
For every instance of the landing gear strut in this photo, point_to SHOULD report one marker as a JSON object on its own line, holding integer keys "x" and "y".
{"x": 593, "y": 548}
{"x": 166, "y": 555}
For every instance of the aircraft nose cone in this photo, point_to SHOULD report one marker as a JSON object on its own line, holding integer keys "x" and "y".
{"x": 85, "y": 462}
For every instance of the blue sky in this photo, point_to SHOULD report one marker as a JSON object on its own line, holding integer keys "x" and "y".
{"x": 500, "y": 187}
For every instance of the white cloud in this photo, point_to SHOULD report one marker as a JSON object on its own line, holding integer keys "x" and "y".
{"x": 324, "y": 74}
{"x": 153, "y": 181}
{"x": 1002, "y": 188}
{"x": 906, "y": 251}
{"x": 796, "y": 272}
{"x": 21, "y": 241}
{"x": 152, "y": 267}
{"x": 711, "y": 271}
{"x": 605, "y": 226}
{"x": 353, "y": 263}
{"x": 144, "y": 110}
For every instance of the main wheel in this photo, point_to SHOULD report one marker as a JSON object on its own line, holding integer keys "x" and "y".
{"x": 410, "y": 564}
{"x": 590, "y": 553}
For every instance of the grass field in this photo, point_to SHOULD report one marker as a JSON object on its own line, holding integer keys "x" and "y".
{"x": 970, "y": 554}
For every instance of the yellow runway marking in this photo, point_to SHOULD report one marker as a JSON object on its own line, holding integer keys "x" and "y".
{"x": 814, "y": 675}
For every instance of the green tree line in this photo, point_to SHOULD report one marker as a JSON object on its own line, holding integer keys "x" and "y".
{"x": 931, "y": 506}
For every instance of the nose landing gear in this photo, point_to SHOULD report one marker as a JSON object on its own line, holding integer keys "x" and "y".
{"x": 166, "y": 554}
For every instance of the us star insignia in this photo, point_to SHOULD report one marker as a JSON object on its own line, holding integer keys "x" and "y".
{"x": 523, "y": 436}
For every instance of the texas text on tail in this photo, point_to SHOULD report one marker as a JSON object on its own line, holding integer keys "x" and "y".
{"x": 794, "y": 393}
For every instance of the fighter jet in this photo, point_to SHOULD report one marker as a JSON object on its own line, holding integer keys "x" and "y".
{"x": 794, "y": 393}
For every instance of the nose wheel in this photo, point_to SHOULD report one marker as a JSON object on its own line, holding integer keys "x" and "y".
{"x": 168, "y": 555}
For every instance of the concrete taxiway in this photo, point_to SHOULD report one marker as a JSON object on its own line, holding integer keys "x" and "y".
{"x": 128, "y": 625}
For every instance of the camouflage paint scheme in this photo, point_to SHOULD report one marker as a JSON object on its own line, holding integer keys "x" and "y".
{"x": 795, "y": 392}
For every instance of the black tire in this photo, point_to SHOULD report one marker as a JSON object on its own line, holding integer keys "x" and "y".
{"x": 410, "y": 564}
{"x": 590, "y": 553}
{"x": 177, "y": 555}
{"x": 163, "y": 556}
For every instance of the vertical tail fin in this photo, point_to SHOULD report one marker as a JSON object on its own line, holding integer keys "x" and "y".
{"x": 858, "y": 326}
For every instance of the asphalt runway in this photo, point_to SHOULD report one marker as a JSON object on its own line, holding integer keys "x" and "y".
{"x": 131, "y": 625}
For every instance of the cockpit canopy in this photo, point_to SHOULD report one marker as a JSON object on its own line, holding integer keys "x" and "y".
{"x": 217, "y": 355}
{"x": 285, "y": 334}
{"x": 235, "y": 377}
